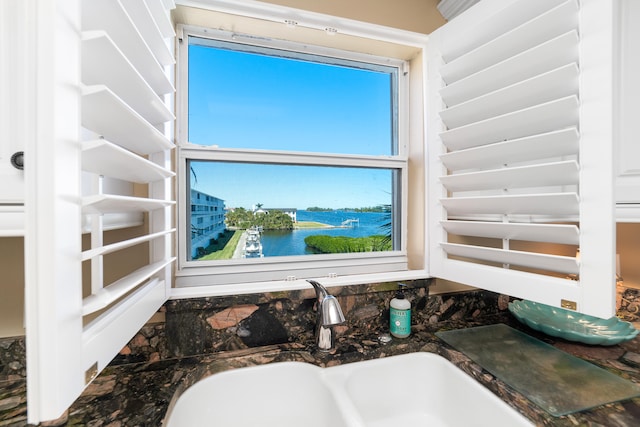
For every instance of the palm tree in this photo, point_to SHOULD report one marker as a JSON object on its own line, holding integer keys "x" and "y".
{"x": 387, "y": 227}
{"x": 195, "y": 177}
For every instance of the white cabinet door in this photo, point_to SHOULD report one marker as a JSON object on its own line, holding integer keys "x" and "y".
{"x": 627, "y": 148}
{"x": 16, "y": 88}
{"x": 520, "y": 159}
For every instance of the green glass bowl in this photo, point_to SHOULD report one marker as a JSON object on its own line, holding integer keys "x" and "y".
{"x": 572, "y": 326}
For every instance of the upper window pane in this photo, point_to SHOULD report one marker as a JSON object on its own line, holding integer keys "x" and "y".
{"x": 240, "y": 97}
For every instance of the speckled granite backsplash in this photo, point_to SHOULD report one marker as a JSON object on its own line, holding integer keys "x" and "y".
{"x": 209, "y": 325}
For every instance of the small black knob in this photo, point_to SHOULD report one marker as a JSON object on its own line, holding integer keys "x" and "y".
{"x": 17, "y": 160}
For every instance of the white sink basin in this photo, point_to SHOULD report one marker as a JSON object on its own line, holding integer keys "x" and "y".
{"x": 279, "y": 394}
{"x": 417, "y": 389}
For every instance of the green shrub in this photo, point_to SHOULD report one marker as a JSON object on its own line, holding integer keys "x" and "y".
{"x": 321, "y": 243}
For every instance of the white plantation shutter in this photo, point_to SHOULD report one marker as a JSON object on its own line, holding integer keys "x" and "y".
{"x": 519, "y": 114}
{"x": 102, "y": 162}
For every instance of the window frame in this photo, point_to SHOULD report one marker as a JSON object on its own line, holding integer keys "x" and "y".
{"x": 280, "y": 272}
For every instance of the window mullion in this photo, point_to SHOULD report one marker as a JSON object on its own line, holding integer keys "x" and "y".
{"x": 191, "y": 151}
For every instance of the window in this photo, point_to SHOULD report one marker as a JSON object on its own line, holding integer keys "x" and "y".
{"x": 349, "y": 207}
{"x": 303, "y": 151}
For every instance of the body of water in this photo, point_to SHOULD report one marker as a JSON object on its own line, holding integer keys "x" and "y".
{"x": 283, "y": 243}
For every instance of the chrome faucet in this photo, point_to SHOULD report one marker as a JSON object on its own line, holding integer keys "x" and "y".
{"x": 329, "y": 315}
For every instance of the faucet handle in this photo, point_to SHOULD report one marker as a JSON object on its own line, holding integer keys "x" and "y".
{"x": 328, "y": 306}
{"x": 331, "y": 311}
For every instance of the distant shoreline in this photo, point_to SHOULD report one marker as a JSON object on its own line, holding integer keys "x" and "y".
{"x": 310, "y": 225}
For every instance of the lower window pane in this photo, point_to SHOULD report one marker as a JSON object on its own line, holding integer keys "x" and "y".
{"x": 247, "y": 210}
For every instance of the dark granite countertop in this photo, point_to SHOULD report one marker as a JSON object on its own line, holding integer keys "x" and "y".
{"x": 141, "y": 394}
{"x": 135, "y": 391}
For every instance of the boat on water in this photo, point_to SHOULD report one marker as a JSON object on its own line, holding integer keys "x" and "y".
{"x": 253, "y": 245}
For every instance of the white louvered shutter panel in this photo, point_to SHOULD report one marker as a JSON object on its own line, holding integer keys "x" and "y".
{"x": 101, "y": 162}
{"x": 519, "y": 151}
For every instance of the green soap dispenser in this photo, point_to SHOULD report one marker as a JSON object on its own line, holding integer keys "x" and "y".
{"x": 400, "y": 315}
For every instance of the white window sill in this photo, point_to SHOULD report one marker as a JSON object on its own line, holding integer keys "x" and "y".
{"x": 286, "y": 285}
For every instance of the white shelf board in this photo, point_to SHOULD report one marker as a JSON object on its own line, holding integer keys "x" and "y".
{"x": 110, "y": 294}
{"x": 548, "y": 56}
{"x": 556, "y": 204}
{"x": 146, "y": 25}
{"x": 555, "y": 263}
{"x": 103, "y": 63}
{"x": 161, "y": 18}
{"x": 551, "y": 233}
{"x": 538, "y": 30}
{"x": 104, "y": 335}
{"x": 559, "y": 83}
{"x": 104, "y": 158}
{"x": 113, "y": 221}
{"x": 510, "y": 15}
{"x": 540, "y": 175}
{"x": 103, "y": 250}
{"x": 107, "y": 115}
{"x": 547, "y": 117}
{"x": 108, "y": 203}
{"x": 554, "y": 144}
{"x": 110, "y": 16}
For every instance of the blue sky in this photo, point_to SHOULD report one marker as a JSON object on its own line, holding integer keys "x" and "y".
{"x": 241, "y": 100}
{"x": 244, "y": 185}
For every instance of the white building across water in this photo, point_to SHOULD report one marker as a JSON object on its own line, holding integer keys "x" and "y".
{"x": 292, "y": 212}
{"x": 207, "y": 220}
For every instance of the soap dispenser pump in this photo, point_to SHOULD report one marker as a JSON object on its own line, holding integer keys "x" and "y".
{"x": 400, "y": 315}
